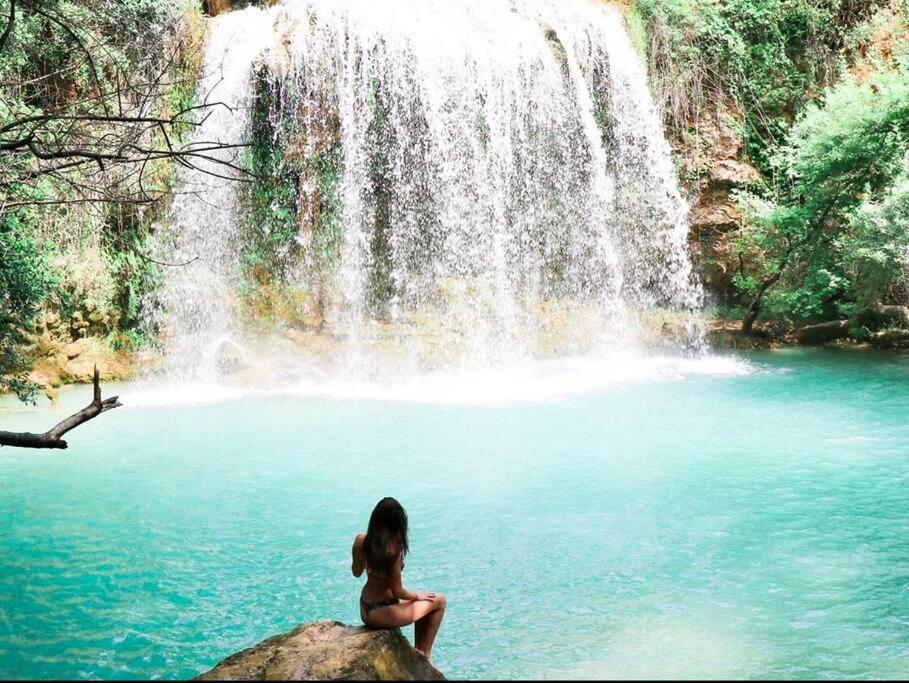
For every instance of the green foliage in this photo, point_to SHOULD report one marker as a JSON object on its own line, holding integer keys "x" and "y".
{"x": 129, "y": 340}
{"x": 25, "y": 282}
{"x": 876, "y": 252}
{"x": 837, "y": 230}
{"x": 271, "y": 220}
{"x": 824, "y": 97}
{"x": 329, "y": 230}
{"x": 772, "y": 57}
{"x": 135, "y": 275}
{"x": 271, "y": 217}
{"x": 60, "y": 55}
{"x": 293, "y": 203}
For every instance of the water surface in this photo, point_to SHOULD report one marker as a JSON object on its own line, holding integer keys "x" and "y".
{"x": 707, "y": 524}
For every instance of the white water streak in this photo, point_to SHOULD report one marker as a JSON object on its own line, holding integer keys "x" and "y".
{"x": 494, "y": 155}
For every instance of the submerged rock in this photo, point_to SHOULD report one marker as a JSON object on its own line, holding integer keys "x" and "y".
{"x": 328, "y": 650}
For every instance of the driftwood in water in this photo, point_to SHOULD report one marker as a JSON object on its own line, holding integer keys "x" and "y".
{"x": 53, "y": 438}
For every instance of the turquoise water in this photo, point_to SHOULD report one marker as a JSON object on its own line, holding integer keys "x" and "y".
{"x": 743, "y": 525}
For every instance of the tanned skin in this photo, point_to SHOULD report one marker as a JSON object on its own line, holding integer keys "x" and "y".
{"x": 423, "y": 610}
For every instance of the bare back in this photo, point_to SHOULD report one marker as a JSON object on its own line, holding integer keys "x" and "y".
{"x": 379, "y": 586}
{"x": 385, "y": 603}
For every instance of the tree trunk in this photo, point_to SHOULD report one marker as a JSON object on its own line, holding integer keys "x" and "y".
{"x": 755, "y": 308}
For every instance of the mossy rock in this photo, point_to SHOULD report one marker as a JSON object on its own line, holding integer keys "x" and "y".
{"x": 328, "y": 651}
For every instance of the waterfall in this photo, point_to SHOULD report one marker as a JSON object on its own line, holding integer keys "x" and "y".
{"x": 196, "y": 311}
{"x": 476, "y": 182}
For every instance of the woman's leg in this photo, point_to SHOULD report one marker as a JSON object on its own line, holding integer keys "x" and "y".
{"x": 414, "y": 612}
{"x": 425, "y": 629}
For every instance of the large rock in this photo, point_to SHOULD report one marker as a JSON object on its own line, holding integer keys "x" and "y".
{"x": 715, "y": 164}
{"x": 877, "y": 317}
{"x": 328, "y": 650}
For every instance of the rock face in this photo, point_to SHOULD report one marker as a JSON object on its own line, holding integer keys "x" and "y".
{"x": 714, "y": 164}
{"x": 328, "y": 650}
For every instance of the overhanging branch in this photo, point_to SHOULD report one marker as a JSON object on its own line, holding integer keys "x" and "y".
{"x": 53, "y": 438}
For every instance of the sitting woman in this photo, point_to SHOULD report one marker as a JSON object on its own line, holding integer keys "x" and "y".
{"x": 384, "y": 602}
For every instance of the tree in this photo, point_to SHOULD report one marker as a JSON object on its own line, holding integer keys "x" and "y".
{"x": 96, "y": 98}
{"x": 846, "y": 152}
{"x": 96, "y": 117}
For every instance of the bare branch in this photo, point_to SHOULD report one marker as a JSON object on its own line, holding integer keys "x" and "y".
{"x": 53, "y": 438}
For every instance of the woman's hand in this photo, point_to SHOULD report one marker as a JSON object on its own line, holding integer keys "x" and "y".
{"x": 425, "y": 597}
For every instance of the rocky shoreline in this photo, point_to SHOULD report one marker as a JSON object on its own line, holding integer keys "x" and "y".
{"x": 58, "y": 363}
{"x": 874, "y": 327}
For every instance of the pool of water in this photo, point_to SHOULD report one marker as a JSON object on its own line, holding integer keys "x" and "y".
{"x": 741, "y": 524}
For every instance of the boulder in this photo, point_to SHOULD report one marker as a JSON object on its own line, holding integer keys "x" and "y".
{"x": 328, "y": 650}
{"x": 231, "y": 358}
{"x": 878, "y": 316}
{"x": 890, "y": 339}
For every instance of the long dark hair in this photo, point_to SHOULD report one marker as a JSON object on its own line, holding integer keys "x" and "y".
{"x": 386, "y": 537}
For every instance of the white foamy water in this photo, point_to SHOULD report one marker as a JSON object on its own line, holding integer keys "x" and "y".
{"x": 492, "y": 165}
{"x": 198, "y": 314}
{"x": 529, "y": 382}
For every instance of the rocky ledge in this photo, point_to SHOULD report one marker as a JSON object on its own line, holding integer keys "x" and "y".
{"x": 328, "y": 650}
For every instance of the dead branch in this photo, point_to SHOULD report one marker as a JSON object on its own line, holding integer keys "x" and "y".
{"x": 53, "y": 437}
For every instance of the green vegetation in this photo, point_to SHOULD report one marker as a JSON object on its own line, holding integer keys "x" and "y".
{"x": 271, "y": 217}
{"x": 25, "y": 282}
{"x": 823, "y": 91}
{"x": 293, "y": 207}
{"x": 772, "y": 57}
{"x": 75, "y": 218}
{"x": 823, "y": 232}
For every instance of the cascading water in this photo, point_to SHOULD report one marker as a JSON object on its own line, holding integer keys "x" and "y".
{"x": 198, "y": 316}
{"x": 476, "y": 181}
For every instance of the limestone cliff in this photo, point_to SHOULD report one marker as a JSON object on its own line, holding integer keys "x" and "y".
{"x": 713, "y": 163}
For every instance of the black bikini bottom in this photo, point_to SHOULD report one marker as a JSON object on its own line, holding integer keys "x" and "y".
{"x": 370, "y": 606}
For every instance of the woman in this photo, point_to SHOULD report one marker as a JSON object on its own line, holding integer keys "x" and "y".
{"x": 384, "y": 602}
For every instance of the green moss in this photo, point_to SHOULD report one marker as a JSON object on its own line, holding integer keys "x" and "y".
{"x": 277, "y": 233}
{"x": 637, "y": 31}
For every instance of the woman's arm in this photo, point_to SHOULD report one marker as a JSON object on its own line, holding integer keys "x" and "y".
{"x": 358, "y": 564}
{"x": 397, "y": 586}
